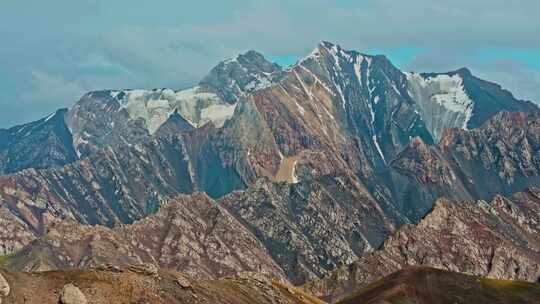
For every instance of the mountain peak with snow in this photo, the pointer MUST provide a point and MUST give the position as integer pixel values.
(232, 79)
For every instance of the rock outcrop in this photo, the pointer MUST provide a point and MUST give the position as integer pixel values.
(501, 157)
(314, 226)
(4, 287)
(44, 143)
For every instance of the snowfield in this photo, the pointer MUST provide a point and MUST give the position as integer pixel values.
(155, 106)
(442, 100)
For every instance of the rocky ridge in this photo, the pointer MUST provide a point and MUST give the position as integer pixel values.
(191, 234)
(423, 285)
(287, 230)
(499, 239)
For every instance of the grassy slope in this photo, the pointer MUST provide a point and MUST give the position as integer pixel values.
(426, 285)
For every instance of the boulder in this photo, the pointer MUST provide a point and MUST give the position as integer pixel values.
(4, 287)
(182, 281)
(71, 294)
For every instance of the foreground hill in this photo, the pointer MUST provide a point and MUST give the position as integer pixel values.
(432, 286)
(146, 283)
(143, 284)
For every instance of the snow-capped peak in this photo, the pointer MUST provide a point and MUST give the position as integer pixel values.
(338, 54)
(156, 106)
(233, 79)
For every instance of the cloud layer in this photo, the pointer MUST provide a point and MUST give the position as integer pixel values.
(52, 52)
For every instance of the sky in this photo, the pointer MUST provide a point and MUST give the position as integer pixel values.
(52, 52)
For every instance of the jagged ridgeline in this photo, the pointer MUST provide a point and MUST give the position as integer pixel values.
(291, 171)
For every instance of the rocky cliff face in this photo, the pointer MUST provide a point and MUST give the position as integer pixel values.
(499, 239)
(287, 230)
(40, 144)
(234, 79)
(312, 227)
(498, 158)
(114, 186)
(191, 234)
(459, 100)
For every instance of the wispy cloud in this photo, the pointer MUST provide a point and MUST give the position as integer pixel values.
(167, 43)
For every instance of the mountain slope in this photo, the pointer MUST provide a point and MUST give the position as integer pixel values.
(460, 100)
(40, 144)
(146, 284)
(114, 186)
(499, 239)
(497, 158)
(424, 285)
(294, 231)
(191, 234)
(263, 138)
(312, 227)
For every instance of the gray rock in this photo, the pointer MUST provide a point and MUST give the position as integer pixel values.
(4, 286)
(182, 281)
(146, 269)
(71, 294)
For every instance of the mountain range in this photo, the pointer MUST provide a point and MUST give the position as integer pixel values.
(330, 173)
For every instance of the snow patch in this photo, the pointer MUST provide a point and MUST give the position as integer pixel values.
(155, 106)
(340, 91)
(334, 52)
(376, 142)
(217, 114)
(259, 83)
(300, 109)
(49, 117)
(114, 93)
(358, 72)
(304, 88)
(443, 101)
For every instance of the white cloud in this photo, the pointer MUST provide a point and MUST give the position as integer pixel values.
(51, 90)
(173, 43)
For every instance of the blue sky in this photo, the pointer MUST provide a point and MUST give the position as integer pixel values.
(54, 51)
